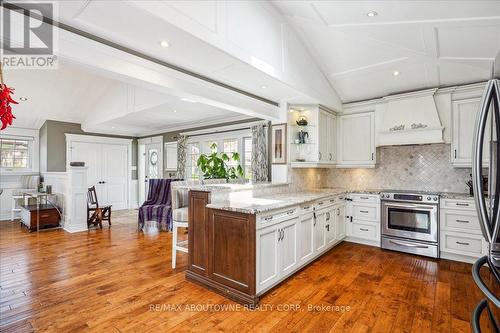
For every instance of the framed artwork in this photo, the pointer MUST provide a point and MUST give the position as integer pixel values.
(278, 144)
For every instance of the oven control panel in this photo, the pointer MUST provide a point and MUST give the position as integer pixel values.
(410, 197)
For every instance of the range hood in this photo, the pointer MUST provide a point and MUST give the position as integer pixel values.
(409, 119)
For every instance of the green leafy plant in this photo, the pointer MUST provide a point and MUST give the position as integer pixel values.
(215, 165)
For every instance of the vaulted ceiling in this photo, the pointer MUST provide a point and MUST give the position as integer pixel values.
(360, 45)
(105, 105)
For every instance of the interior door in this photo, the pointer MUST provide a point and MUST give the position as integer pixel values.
(289, 246)
(153, 160)
(114, 175)
(90, 153)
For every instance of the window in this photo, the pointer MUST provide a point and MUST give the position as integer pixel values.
(15, 153)
(229, 143)
(193, 153)
(247, 158)
(230, 146)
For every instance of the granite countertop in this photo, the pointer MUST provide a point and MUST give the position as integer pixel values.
(455, 195)
(254, 205)
(220, 187)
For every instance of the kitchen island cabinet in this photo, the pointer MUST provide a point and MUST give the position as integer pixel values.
(242, 252)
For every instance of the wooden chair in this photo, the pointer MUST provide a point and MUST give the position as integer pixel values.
(96, 214)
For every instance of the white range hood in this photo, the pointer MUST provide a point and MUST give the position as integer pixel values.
(409, 119)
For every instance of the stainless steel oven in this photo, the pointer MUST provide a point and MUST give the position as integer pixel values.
(410, 222)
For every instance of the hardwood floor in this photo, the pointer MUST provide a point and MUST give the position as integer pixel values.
(120, 280)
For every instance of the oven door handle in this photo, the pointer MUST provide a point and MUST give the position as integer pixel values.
(409, 245)
(429, 207)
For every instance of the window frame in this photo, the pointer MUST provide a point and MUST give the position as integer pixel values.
(31, 153)
(204, 141)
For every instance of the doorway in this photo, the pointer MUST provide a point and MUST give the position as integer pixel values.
(150, 163)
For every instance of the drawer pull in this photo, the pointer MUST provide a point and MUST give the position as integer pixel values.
(462, 243)
(268, 218)
(46, 215)
(320, 203)
(363, 229)
(290, 212)
(462, 204)
(364, 198)
(306, 207)
(363, 211)
(462, 221)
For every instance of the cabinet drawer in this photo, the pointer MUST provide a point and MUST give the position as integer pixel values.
(306, 208)
(364, 231)
(364, 212)
(365, 198)
(466, 221)
(462, 244)
(465, 204)
(335, 200)
(271, 218)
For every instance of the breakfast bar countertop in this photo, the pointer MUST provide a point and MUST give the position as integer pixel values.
(243, 203)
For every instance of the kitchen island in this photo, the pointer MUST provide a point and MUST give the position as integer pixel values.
(243, 243)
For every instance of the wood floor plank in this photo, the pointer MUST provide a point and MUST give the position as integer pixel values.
(120, 280)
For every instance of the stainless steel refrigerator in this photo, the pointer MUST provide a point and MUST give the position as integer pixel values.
(487, 201)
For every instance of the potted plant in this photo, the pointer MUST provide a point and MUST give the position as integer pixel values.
(215, 165)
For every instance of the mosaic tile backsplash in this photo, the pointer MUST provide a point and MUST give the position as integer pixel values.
(418, 167)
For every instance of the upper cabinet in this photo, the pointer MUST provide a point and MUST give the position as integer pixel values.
(356, 140)
(312, 135)
(463, 120)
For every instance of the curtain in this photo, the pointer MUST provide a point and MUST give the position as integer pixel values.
(259, 154)
(181, 156)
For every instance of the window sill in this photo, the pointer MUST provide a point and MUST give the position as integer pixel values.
(18, 173)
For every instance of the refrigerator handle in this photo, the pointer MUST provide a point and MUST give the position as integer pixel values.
(477, 158)
(496, 111)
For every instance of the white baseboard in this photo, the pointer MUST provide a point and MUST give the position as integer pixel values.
(362, 241)
(458, 257)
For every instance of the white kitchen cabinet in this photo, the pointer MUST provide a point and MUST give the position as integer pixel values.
(340, 222)
(306, 237)
(363, 219)
(460, 234)
(277, 252)
(268, 270)
(327, 137)
(463, 121)
(331, 226)
(288, 251)
(319, 230)
(319, 148)
(356, 140)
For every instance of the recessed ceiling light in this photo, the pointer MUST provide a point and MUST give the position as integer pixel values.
(175, 111)
(24, 99)
(395, 73)
(185, 99)
(164, 43)
(263, 86)
(112, 127)
(372, 14)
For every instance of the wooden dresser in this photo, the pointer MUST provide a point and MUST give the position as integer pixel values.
(49, 217)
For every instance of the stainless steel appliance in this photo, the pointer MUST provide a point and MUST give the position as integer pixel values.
(487, 199)
(410, 222)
